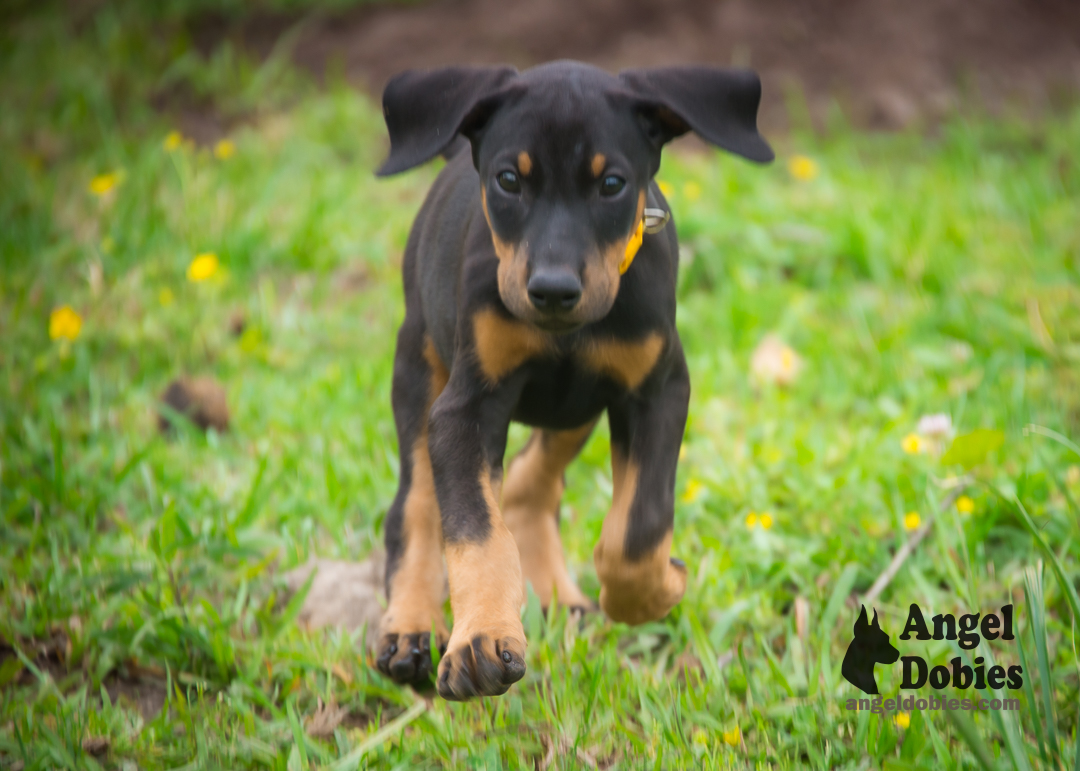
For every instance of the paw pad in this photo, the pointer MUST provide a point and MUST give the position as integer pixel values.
(481, 668)
(406, 658)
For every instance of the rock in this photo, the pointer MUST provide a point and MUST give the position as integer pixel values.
(201, 399)
(345, 594)
(891, 109)
(96, 745)
(237, 322)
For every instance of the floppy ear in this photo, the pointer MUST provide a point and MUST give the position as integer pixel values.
(719, 105)
(424, 111)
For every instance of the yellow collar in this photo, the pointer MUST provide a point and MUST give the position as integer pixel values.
(652, 221)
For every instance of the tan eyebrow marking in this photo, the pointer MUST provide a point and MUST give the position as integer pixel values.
(524, 163)
(598, 163)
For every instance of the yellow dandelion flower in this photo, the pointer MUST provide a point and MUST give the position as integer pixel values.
(224, 150)
(666, 189)
(802, 168)
(912, 520)
(694, 489)
(965, 505)
(692, 191)
(912, 444)
(172, 141)
(103, 183)
(766, 520)
(64, 323)
(903, 719)
(751, 520)
(165, 297)
(732, 737)
(203, 267)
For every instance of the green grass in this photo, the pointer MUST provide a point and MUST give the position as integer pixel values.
(912, 275)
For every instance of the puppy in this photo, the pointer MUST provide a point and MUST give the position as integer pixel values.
(540, 288)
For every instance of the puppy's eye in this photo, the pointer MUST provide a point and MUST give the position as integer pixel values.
(509, 181)
(612, 185)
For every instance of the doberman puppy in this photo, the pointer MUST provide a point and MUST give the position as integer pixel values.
(533, 294)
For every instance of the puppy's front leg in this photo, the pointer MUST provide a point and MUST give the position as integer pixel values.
(640, 581)
(486, 651)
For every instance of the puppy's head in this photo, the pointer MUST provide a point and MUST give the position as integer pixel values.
(565, 153)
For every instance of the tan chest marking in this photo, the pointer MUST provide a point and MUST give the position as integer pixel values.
(626, 362)
(503, 345)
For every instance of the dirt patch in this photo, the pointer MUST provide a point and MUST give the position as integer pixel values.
(147, 695)
(131, 685)
(886, 62)
(197, 118)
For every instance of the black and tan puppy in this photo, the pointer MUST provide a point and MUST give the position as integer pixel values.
(533, 294)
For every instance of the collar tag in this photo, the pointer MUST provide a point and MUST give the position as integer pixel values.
(655, 220)
(652, 221)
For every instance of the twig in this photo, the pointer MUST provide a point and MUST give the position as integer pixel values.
(352, 760)
(905, 551)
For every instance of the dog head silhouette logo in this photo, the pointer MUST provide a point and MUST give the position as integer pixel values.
(870, 646)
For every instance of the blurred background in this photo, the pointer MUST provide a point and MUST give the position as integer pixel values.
(883, 64)
(882, 329)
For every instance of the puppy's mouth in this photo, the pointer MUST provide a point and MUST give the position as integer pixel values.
(557, 325)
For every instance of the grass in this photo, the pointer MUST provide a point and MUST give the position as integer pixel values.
(912, 275)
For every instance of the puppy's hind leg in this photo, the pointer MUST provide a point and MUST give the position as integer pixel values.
(415, 577)
(530, 507)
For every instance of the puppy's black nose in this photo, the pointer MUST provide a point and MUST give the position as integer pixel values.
(554, 290)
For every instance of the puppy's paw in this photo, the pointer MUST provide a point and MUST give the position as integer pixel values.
(405, 657)
(647, 591)
(480, 666)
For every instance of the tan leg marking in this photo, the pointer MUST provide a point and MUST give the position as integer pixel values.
(503, 345)
(525, 163)
(530, 505)
(486, 652)
(628, 363)
(644, 589)
(598, 164)
(416, 591)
